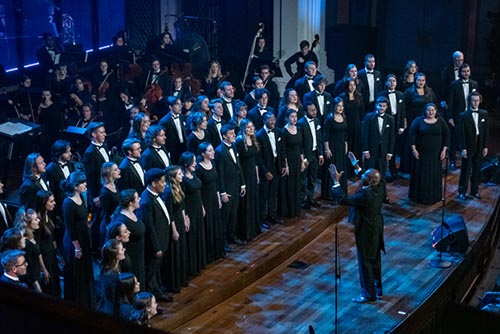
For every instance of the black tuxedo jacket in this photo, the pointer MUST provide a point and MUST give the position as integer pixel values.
(173, 144)
(28, 190)
(163, 80)
(456, 98)
(229, 174)
(44, 59)
(447, 77)
(399, 114)
(157, 235)
(366, 215)
(302, 87)
(274, 94)
(150, 158)
(55, 175)
(327, 106)
(93, 160)
(255, 116)
(378, 85)
(268, 163)
(466, 132)
(307, 138)
(374, 141)
(214, 133)
(226, 115)
(130, 178)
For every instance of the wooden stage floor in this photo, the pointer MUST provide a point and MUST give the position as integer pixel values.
(253, 290)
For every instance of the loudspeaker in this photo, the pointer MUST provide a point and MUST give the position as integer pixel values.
(453, 237)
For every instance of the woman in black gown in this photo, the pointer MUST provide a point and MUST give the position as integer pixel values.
(428, 137)
(125, 214)
(175, 270)
(112, 253)
(206, 172)
(212, 80)
(108, 196)
(416, 98)
(45, 203)
(335, 137)
(240, 113)
(354, 114)
(293, 155)
(408, 78)
(197, 254)
(290, 100)
(78, 268)
(247, 147)
(197, 122)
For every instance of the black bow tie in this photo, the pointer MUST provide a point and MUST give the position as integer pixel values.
(311, 120)
(63, 164)
(320, 94)
(155, 196)
(262, 108)
(393, 92)
(465, 82)
(381, 115)
(474, 111)
(99, 146)
(369, 72)
(175, 116)
(218, 122)
(158, 149)
(133, 161)
(269, 131)
(309, 78)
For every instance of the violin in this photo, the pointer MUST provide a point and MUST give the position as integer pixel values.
(103, 87)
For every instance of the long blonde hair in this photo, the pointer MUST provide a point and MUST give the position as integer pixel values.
(177, 192)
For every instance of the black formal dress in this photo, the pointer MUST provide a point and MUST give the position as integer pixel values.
(175, 269)
(292, 149)
(193, 141)
(335, 133)
(426, 175)
(366, 206)
(32, 253)
(414, 107)
(78, 273)
(135, 246)
(49, 251)
(248, 226)
(109, 202)
(54, 175)
(197, 254)
(354, 114)
(214, 229)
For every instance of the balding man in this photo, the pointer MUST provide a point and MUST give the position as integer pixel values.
(366, 215)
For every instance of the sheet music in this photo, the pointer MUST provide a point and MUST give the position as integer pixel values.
(12, 129)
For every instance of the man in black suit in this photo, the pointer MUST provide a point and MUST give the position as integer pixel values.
(395, 108)
(132, 173)
(299, 58)
(155, 78)
(304, 85)
(270, 170)
(227, 100)
(5, 217)
(366, 215)
(231, 183)
(257, 113)
(215, 122)
(156, 154)
(174, 124)
(312, 143)
(377, 141)
(14, 267)
(57, 170)
(320, 98)
(154, 213)
(372, 82)
(457, 103)
(94, 156)
(49, 54)
(472, 137)
(33, 179)
(449, 74)
(271, 86)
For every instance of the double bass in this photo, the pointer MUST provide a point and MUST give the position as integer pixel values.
(250, 56)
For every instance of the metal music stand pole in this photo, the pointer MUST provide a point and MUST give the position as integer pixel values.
(337, 274)
(439, 263)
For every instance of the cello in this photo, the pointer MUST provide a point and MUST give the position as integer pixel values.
(250, 56)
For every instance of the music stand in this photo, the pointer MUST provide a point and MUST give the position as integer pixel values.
(439, 263)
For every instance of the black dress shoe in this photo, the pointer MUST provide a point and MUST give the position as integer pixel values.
(363, 300)
(452, 166)
(386, 200)
(265, 225)
(477, 195)
(315, 203)
(463, 197)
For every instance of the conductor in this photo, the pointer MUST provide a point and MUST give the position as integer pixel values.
(365, 214)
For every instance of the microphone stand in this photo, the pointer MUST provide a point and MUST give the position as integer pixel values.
(337, 275)
(439, 263)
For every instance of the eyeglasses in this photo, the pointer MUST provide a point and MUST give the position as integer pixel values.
(22, 264)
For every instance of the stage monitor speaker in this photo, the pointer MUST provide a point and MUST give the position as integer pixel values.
(453, 237)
